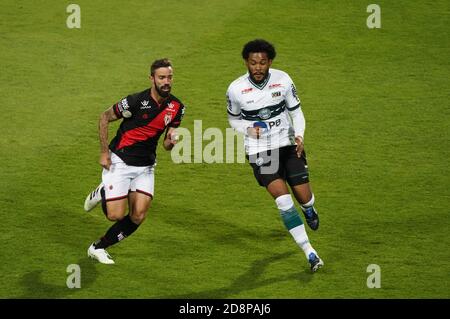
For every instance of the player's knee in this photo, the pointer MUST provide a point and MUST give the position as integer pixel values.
(115, 215)
(138, 216)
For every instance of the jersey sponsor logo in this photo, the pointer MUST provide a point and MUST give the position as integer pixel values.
(145, 105)
(274, 123)
(245, 91)
(250, 102)
(275, 85)
(276, 94)
(264, 113)
(171, 106)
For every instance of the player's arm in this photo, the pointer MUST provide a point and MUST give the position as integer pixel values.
(235, 118)
(293, 105)
(298, 121)
(107, 116)
(170, 139)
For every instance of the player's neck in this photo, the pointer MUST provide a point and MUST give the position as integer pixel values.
(260, 81)
(155, 96)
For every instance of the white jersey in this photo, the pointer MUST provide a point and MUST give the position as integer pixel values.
(267, 105)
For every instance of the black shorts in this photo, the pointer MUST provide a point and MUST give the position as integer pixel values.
(280, 163)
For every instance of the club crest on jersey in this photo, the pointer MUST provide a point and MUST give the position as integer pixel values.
(170, 106)
(167, 118)
(264, 113)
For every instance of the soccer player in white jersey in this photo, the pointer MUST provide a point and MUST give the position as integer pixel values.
(264, 106)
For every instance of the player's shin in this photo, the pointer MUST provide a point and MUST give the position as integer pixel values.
(117, 232)
(309, 204)
(294, 223)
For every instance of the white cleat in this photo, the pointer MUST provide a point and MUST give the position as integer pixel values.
(93, 198)
(100, 254)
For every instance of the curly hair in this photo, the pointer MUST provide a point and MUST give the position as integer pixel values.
(259, 45)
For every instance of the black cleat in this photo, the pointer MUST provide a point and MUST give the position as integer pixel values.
(312, 219)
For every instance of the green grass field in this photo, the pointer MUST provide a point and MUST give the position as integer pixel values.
(376, 102)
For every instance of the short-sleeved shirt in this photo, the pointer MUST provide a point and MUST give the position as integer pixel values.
(144, 120)
(266, 105)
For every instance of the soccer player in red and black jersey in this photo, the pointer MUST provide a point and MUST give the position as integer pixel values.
(129, 160)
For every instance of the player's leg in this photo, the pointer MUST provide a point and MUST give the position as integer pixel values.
(139, 198)
(292, 221)
(115, 212)
(141, 195)
(306, 199)
(114, 199)
(297, 176)
(140, 206)
(277, 188)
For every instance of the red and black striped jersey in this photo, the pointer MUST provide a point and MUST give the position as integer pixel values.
(144, 120)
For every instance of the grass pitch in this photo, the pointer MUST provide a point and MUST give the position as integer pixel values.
(377, 137)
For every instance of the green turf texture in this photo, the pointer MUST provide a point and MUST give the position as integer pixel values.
(376, 102)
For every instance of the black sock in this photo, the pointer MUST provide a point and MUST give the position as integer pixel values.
(120, 230)
(102, 193)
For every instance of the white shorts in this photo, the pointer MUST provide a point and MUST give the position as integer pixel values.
(121, 178)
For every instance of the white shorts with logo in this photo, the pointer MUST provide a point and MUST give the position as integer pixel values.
(121, 179)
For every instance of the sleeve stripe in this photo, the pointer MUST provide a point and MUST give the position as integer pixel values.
(293, 108)
(233, 114)
(116, 110)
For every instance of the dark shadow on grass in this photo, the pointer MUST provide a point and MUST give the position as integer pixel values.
(227, 233)
(36, 288)
(249, 280)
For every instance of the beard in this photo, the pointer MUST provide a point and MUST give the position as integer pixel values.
(258, 81)
(161, 92)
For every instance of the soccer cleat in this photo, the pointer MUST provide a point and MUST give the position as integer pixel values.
(100, 254)
(93, 198)
(312, 219)
(315, 262)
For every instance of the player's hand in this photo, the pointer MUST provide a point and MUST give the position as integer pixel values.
(105, 160)
(254, 132)
(299, 147)
(171, 139)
